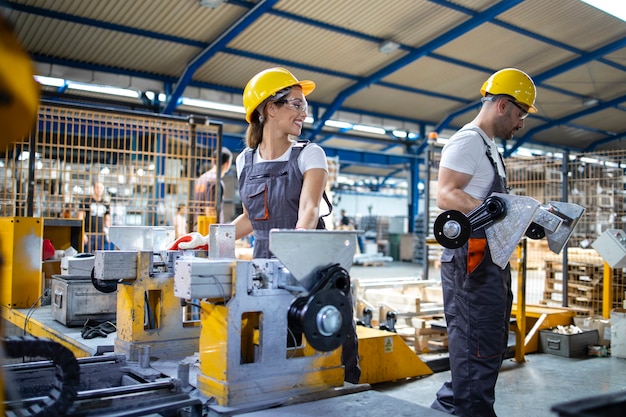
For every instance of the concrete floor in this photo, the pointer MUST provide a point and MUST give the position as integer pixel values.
(528, 389)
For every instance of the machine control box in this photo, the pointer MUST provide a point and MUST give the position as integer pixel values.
(611, 245)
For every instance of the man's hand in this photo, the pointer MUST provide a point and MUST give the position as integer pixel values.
(193, 240)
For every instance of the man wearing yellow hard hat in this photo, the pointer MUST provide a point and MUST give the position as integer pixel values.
(477, 293)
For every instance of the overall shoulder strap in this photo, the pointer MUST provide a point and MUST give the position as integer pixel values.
(301, 143)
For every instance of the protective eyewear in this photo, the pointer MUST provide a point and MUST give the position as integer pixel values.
(295, 104)
(524, 112)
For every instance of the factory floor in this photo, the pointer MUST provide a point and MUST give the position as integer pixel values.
(526, 389)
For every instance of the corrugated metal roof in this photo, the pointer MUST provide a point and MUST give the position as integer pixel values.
(446, 49)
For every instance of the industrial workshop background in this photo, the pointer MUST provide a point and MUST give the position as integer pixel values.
(149, 163)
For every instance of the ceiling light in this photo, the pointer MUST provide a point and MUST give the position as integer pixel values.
(338, 124)
(388, 47)
(123, 92)
(50, 81)
(370, 129)
(212, 105)
(590, 102)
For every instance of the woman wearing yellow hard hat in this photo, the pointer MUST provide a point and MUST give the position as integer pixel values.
(281, 179)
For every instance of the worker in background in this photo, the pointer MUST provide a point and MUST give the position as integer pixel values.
(345, 221)
(281, 180)
(96, 213)
(205, 192)
(477, 293)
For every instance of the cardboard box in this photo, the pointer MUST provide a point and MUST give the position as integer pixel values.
(568, 345)
(618, 332)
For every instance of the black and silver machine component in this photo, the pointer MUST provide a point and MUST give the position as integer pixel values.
(506, 219)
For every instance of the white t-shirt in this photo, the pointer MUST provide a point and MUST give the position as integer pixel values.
(466, 152)
(312, 156)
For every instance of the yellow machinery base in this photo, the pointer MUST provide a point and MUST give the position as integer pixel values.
(384, 356)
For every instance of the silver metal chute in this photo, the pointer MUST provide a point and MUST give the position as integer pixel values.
(305, 252)
(141, 238)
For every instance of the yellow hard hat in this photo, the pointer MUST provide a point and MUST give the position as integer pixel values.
(267, 83)
(514, 83)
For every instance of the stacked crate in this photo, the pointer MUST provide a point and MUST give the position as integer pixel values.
(585, 287)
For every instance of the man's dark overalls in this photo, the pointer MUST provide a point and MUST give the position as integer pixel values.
(477, 304)
(270, 191)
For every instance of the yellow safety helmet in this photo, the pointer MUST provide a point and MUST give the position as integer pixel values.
(514, 83)
(267, 83)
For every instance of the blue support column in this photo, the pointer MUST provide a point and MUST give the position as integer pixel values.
(159, 164)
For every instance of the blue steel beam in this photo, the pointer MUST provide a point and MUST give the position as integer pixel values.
(541, 78)
(611, 138)
(190, 42)
(525, 32)
(198, 44)
(411, 57)
(216, 46)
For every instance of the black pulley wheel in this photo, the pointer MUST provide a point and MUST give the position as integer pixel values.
(452, 229)
(324, 318)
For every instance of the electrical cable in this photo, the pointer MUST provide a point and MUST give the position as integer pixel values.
(67, 374)
(33, 307)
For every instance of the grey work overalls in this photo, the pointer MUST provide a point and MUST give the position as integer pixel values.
(477, 304)
(270, 191)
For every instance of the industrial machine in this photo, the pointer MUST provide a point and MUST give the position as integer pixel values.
(271, 331)
(270, 327)
(142, 272)
(58, 384)
(506, 218)
(611, 245)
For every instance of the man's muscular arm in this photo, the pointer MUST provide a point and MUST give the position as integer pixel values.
(450, 194)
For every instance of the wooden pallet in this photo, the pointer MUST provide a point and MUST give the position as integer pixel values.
(584, 286)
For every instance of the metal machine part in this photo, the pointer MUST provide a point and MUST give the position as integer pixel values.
(324, 314)
(506, 218)
(148, 312)
(611, 245)
(268, 334)
(62, 390)
(305, 251)
(94, 386)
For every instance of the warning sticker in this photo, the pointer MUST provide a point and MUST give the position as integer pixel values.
(388, 344)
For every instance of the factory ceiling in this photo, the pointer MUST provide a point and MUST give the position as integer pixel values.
(409, 67)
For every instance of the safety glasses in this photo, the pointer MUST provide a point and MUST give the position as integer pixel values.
(295, 104)
(524, 112)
